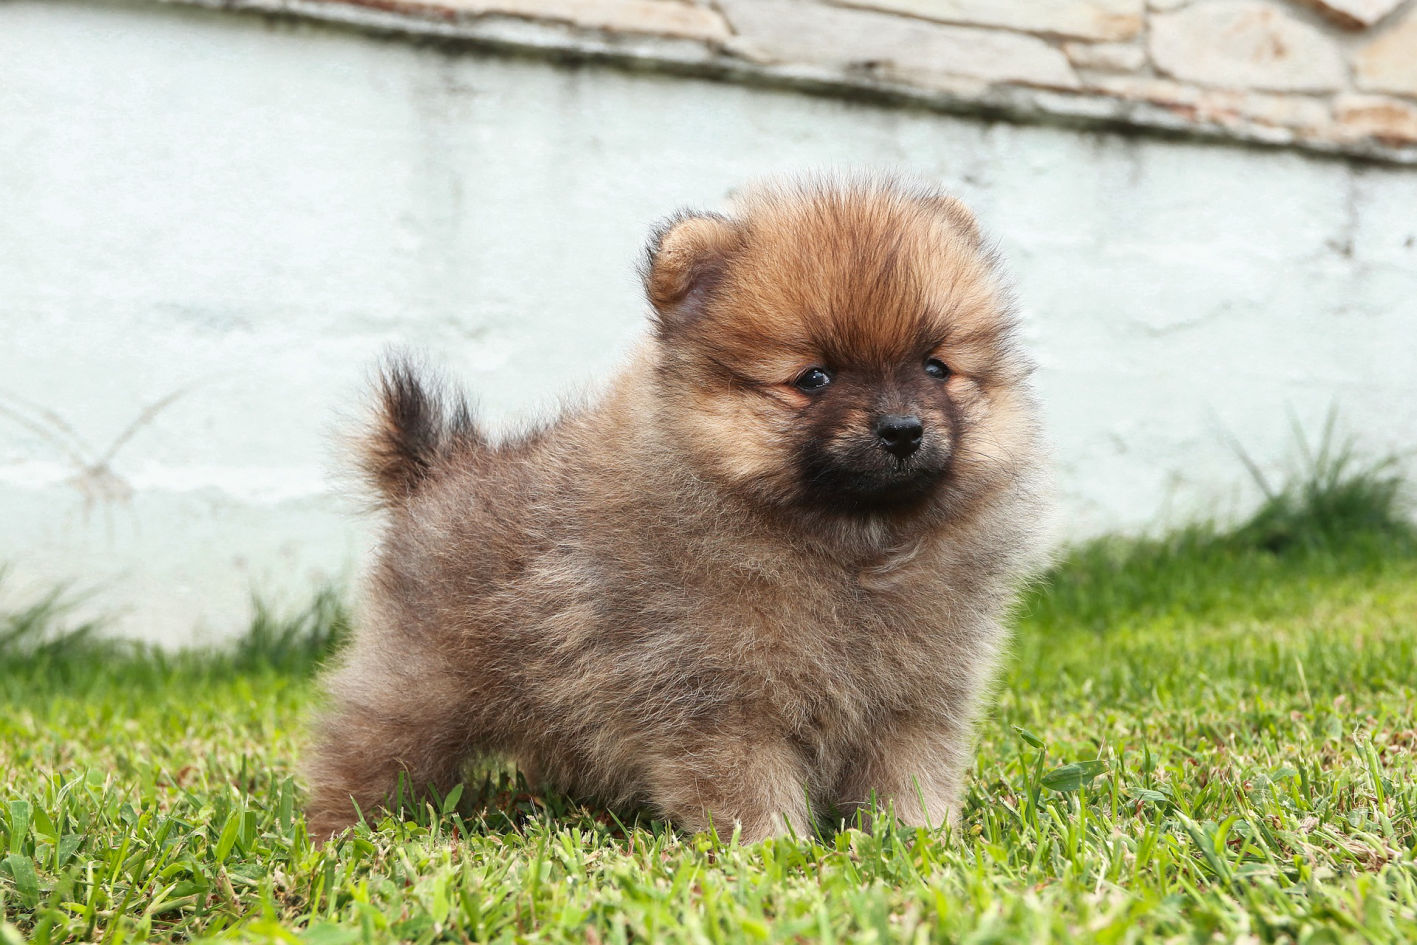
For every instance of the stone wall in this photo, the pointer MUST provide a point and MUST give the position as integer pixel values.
(1328, 75)
(211, 225)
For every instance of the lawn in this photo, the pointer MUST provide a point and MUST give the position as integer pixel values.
(1204, 737)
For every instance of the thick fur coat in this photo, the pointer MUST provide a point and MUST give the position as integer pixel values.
(760, 578)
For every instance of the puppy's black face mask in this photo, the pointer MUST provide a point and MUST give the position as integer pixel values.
(875, 439)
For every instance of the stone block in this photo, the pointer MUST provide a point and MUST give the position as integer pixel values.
(1084, 19)
(1299, 112)
(1106, 57)
(1388, 120)
(1389, 63)
(1177, 96)
(1355, 14)
(652, 17)
(1247, 111)
(1247, 44)
(795, 32)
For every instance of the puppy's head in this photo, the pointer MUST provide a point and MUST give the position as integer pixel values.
(839, 347)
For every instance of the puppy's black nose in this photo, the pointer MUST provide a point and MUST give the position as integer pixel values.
(900, 435)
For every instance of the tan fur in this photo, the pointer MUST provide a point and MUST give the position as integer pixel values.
(655, 600)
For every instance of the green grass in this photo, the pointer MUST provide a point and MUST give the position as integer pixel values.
(1207, 736)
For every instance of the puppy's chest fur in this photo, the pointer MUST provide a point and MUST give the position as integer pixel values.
(799, 644)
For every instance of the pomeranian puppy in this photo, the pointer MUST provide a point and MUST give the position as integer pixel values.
(760, 578)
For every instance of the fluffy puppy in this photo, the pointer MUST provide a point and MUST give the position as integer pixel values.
(761, 576)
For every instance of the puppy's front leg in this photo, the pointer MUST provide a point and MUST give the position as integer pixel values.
(759, 786)
(916, 769)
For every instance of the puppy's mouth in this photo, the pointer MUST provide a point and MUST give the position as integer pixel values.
(864, 482)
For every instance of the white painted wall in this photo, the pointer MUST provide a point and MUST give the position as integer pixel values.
(243, 213)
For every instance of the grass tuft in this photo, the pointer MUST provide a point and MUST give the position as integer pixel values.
(42, 648)
(1337, 512)
(292, 644)
(1335, 497)
(42, 630)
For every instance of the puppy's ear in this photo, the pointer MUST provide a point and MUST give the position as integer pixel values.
(960, 217)
(685, 260)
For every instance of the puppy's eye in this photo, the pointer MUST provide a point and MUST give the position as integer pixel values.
(812, 380)
(937, 368)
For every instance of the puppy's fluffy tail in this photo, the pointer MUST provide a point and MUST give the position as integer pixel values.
(418, 426)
